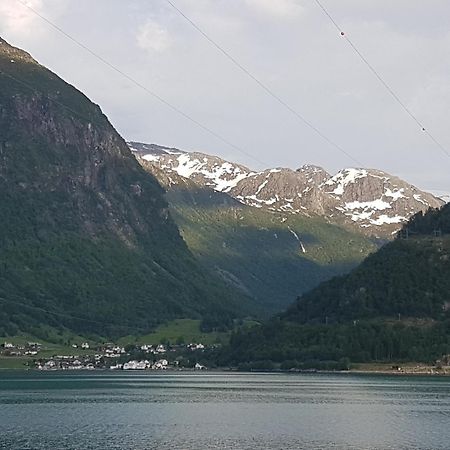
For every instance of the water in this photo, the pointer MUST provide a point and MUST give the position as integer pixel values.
(123, 410)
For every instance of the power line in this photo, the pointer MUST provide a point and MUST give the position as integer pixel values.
(31, 88)
(141, 86)
(381, 79)
(263, 85)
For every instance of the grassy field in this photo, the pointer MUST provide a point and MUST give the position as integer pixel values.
(187, 330)
(12, 362)
(176, 331)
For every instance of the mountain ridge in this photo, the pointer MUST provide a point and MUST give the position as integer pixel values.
(87, 243)
(272, 256)
(367, 200)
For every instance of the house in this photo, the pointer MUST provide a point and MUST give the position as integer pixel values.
(85, 345)
(49, 365)
(76, 365)
(34, 345)
(162, 364)
(116, 367)
(199, 367)
(196, 347)
(130, 365)
(136, 365)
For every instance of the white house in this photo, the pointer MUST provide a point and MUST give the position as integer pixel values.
(199, 367)
(160, 365)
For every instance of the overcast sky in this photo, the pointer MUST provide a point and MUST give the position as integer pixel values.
(291, 46)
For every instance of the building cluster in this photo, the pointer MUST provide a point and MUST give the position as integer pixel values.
(115, 357)
(28, 349)
(161, 364)
(84, 346)
(153, 349)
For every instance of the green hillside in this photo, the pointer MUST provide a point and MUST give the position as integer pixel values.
(407, 277)
(270, 256)
(87, 242)
(394, 307)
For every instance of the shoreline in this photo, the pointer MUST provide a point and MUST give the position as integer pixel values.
(428, 372)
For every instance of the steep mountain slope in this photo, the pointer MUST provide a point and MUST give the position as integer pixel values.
(87, 241)
(395, 305)
(369, 201)
(269, 255)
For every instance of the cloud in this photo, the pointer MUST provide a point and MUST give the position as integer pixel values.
(276, 8)
(153, 37)
(19, 22)
(291, 46)
(16, 18)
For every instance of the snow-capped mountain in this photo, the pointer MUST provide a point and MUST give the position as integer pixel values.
(371, 200)
(443, 195)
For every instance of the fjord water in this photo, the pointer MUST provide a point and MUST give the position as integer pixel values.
(222, 410)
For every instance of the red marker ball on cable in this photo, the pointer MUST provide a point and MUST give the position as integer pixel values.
(342, 33)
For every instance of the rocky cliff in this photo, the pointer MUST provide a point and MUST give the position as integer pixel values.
(370, 201)
(87, 242)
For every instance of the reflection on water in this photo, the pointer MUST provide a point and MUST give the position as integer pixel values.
(223, 411)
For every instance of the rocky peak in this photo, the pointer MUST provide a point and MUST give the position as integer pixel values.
(368, 200)
(316, 173)
(15, 54)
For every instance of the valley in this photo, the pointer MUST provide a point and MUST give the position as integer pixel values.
(110, 241)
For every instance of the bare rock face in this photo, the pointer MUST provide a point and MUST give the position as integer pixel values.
(368, 200)
(375, 200)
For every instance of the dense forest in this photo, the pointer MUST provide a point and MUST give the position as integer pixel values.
(394, 307)
(433, 222)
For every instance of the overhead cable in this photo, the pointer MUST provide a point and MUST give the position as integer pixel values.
(263, 86)
(141, 86)
(381, 79)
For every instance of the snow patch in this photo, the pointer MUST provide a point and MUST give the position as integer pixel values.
(384, 219)
(223, 176)
(254, 198)
(262, 186)
(418, 198)
(172, 152)
(378, 204)
(187, 167)
(395, 194)
(150, 157)
(344, 178)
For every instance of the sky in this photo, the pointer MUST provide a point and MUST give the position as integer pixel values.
(291, 46)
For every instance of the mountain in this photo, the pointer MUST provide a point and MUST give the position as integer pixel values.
(87, 242)
(444, 196)
(270, 256)
(394, 306)
(365, 200)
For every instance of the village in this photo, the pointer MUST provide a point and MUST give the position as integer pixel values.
(109, 356)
